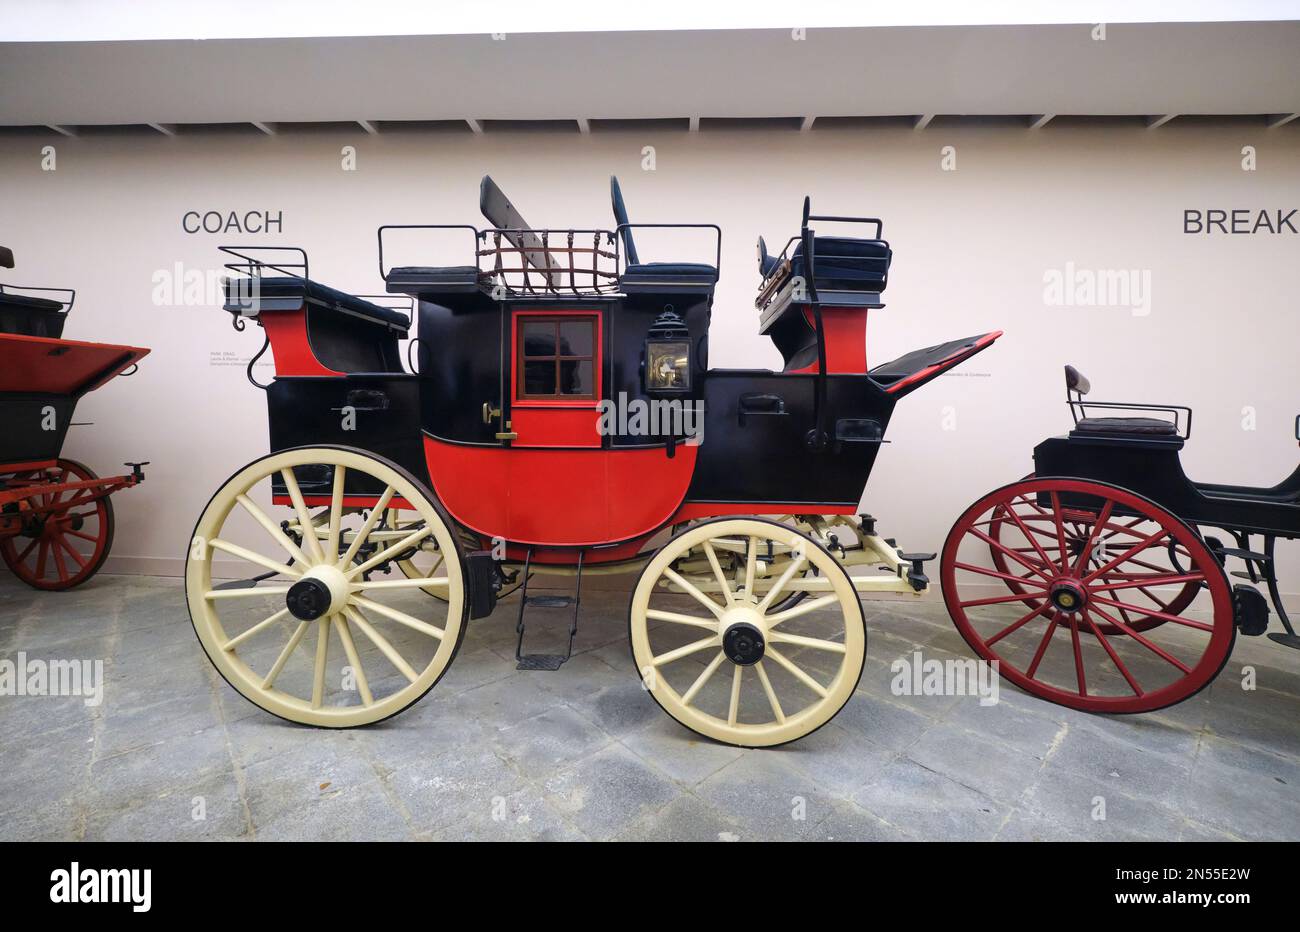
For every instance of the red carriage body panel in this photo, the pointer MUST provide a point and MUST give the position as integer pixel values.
(60, 367)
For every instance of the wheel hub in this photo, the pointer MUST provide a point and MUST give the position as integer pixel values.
(321, 591)
(744, 642)
(1068, 595)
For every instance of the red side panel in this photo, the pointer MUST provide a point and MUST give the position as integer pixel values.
(846, 339)
(555, 426)
(60, 367)
(289, 343)
(559, 497)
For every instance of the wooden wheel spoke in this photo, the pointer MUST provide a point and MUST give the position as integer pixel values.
(686, 650)
(1091, 540)
(798, 640)
(1114, 657)
(305, 522)
(366, 527)
(67, 547)
(322, 657)
(402, 618)
(680, 619)
(381, 642)
(1022, 580)
(1003, 548)
(354, 659)
(782, 581)
(390, 551)
(294, 640)
(690, 589)
(689, 696)
(1011, 512)
(723, 583)
(256, 629)
(420, 582)
(796, 671)
(751, 565)
(1140, 582)
(1042, 646)
(1078, 656)
(771, 693)
(1141, 545)
(295, 553)
(251, 556)
(1163, 616)
(252, 593)
(733, 707)
(996, 599)
(1018, 624)
(1145, 642)
(336, 513)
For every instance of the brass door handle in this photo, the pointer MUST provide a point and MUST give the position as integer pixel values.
(490, 412)
(507, 434)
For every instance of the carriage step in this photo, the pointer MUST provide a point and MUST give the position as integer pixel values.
(550, 601)
(547, 662)
(1249, 555)
(1286, 640)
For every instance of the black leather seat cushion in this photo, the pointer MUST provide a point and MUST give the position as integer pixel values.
(678, 271)
(288, 287)
(1146, 426)
(431, 273)
(845, 264)
(28, 302)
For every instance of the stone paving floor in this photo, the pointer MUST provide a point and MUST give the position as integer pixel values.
(172, 752)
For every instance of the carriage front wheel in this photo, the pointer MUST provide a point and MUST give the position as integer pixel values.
(302, 537)
(66, 535)
(1098, 617)
(720, 648)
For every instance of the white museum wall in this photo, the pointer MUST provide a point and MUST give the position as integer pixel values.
(972, 247)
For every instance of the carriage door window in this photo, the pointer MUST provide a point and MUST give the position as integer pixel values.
(556, 378)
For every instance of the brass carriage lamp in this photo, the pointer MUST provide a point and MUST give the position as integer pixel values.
(667, 360)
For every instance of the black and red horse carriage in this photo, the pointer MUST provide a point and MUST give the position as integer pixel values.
(56, 520)
(1093, 583)
(559, 417)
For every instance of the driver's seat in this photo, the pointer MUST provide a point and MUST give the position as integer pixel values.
(1146, 428)
(655, 277)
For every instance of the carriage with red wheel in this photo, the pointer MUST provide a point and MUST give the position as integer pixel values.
(557, 417)
(56, 519)
(1099, 581)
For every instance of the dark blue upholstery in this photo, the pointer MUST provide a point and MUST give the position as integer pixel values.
(844, 264)
(291, 287)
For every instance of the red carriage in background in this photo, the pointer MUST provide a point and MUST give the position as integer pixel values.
(56, 520)
(559, 417)
(1093, 582)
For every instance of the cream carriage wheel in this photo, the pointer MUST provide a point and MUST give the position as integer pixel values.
(278, 642)
(716, 651)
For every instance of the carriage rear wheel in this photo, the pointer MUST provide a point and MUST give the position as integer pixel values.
(1079, 627)
(719, 654)
(272, 640)
(67, 542)
(1015, 575)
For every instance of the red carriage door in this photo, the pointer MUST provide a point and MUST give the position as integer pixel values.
(555, 378)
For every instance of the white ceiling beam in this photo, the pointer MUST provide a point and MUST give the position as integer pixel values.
(1273, 121)
(62, 130)
(694, 125)
(268, 128)
(922, 121)
(1039, 120)
(369, 127)
(474, 126)
(807, 123)
(584, 126)
(1155, 122)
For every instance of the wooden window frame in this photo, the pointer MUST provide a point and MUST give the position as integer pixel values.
(556, 318)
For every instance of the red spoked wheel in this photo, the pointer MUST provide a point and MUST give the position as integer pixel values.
(1015, 574)
(66, 536)
(1075, 629)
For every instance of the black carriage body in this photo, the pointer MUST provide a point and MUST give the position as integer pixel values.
(35, 425)
(1152, 468)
